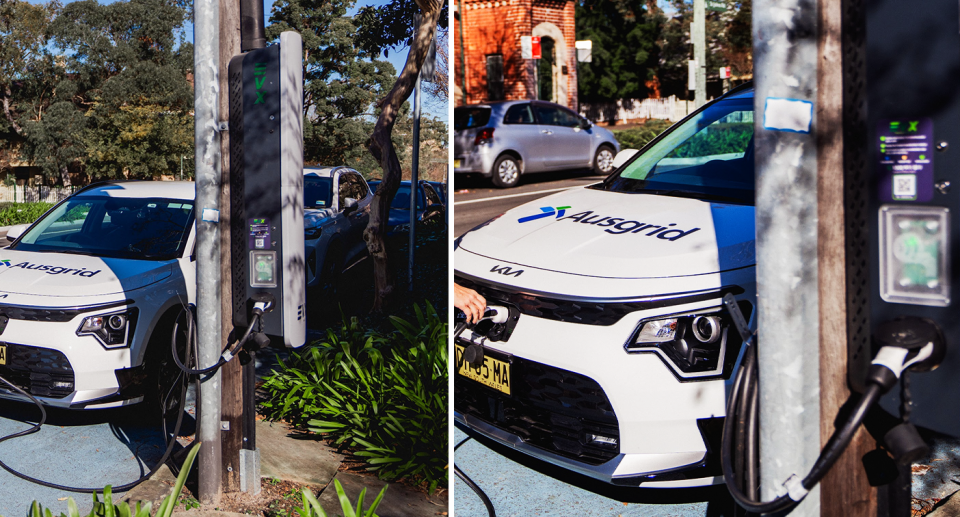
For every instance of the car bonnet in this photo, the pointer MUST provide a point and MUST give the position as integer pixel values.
(65, 275)
(602, 234)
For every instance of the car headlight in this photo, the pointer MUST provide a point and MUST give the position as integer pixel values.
(695, 344)
(112, 330)
(312, 233)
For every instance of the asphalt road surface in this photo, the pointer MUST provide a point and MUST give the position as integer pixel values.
(475, 200)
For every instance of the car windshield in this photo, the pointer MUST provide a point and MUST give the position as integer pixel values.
(401, 201)
(467, 118)
(110, 227)
(709, 157)
(317, 192)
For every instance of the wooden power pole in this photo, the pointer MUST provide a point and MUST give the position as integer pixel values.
(231, 410)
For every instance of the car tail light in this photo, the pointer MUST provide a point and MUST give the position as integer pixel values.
(483, 136)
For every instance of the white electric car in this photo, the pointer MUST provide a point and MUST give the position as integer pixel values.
(89, 294)
(615, 355)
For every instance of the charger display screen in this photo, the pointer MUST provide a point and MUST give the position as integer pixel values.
(914, 255)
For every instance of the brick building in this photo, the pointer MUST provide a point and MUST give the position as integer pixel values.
(489, 50)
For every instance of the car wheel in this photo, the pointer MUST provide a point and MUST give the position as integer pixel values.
(603, 161)
(506, 171)
(162, 395)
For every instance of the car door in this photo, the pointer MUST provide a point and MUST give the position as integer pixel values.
(567, 145)
(519, 127)
(352, 185)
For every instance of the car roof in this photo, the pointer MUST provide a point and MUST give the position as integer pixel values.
(142, 189)
(325, 171)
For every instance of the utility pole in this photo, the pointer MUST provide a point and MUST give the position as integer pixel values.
(699, 31)
(785, 45)
(231, 401)
(207, 204)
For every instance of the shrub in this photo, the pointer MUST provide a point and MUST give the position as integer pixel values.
(637, 137)
(311, 507)
(21, 213)
(382, 395)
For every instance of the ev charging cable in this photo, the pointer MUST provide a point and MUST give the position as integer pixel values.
(921, 350)
(260, 307)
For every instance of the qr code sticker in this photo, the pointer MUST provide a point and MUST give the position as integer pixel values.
(259, 244)
(904, 186)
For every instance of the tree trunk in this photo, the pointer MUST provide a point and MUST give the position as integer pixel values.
(381, 147)
(65, 176)
(7, 95)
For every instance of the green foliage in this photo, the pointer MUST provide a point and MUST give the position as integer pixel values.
(21, 213)
(722, 139)
(103, 88)
(311, 506)
(390, 25)
(383, 395)
(106, 508)
(625, 52)
(637, 137)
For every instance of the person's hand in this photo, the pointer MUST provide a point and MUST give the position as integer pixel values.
(470, 302)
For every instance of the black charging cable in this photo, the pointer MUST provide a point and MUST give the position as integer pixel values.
(171, 441)
(921, 348)
(470, 483)
(259, 309)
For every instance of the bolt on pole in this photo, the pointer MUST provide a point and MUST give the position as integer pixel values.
(207, 205)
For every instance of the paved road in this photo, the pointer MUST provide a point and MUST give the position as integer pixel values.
(476, 201)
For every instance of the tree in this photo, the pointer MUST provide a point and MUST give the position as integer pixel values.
(382, 28)
(625, 52)
(341, 81)
(729, 43)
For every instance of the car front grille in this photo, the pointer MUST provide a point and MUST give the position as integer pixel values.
(41, 372)
(551, 408)
(584, 311)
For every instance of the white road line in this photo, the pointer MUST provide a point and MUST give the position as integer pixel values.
(457, 203)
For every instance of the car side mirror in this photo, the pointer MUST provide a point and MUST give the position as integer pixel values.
(585, 124)
(16, 231)
(623, 157)
(349, 205)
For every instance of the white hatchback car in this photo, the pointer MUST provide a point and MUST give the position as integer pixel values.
(615, 356)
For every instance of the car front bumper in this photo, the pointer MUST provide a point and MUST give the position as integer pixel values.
(48, 360)
(573, 380)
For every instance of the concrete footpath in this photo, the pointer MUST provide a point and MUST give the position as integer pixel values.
(290, 456)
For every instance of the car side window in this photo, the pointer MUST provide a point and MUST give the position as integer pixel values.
(432, 197)
(362, 188)
(548, 115)
(519, 114)
(568, 119)
(351, 185)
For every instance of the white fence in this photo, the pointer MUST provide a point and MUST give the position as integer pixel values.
(670, 108)
(24, 194)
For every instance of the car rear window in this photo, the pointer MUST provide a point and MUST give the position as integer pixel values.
(467, 118)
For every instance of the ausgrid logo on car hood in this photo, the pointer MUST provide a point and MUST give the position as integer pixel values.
(618, 235)
(52, 274)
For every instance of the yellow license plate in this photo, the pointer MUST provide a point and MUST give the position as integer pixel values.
(456, 164)
(3, 354)
(493, 373)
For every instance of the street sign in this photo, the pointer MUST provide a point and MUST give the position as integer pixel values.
(526, 49)
(535, 46)
(724, 72)
(719, 6)
(584, 51)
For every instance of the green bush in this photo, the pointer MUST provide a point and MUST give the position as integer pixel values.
(382, 395)
(21, 213)
(637, 137)
(311, 507)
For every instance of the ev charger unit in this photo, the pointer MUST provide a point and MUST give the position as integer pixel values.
(913, 162)
(266, 185)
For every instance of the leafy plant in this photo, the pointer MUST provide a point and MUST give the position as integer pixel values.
(636, 138)
(311, 507)
(383, 395)
(106, 508)
(21, 213)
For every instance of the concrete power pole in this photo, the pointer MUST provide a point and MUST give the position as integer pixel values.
(785, 73)
(207, 205)
(699, 30)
